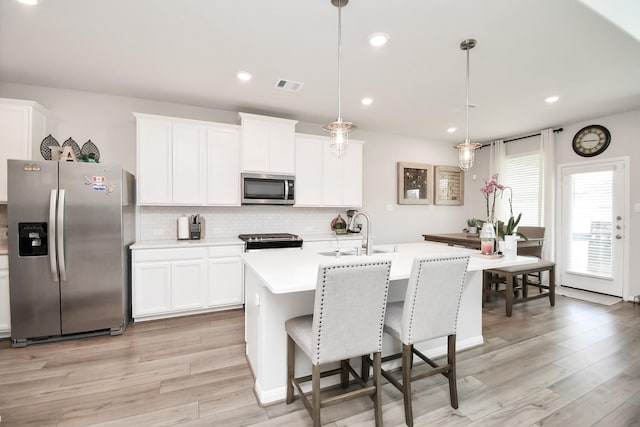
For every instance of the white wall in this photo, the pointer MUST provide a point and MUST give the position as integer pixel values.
(108, 122)
(405, 223)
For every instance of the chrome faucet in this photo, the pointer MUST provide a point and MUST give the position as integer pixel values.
(369, 246)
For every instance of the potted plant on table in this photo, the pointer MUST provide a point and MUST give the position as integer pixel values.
(507, 232)
(472, 225)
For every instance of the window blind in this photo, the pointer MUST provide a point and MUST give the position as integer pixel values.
(524, 176)
(590, 222)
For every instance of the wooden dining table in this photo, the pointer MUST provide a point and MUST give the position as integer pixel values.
(532, 246)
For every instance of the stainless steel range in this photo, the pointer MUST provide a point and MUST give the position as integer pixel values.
(270, 241)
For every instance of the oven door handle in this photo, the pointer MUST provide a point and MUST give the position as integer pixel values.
(286, 189)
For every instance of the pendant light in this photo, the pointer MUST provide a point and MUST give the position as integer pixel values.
(339, 130)
(467, 150)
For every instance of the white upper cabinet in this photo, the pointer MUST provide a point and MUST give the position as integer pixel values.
(268, 144)
(308, 188)
(223, 165)
(322, 179)
(22, 127)
(154, 162)
(187, 162)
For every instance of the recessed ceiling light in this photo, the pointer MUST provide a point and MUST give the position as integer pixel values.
(452, 130)
(244, 75)
(366, 101)
(378, 39)
(551, 99)
(29, 2)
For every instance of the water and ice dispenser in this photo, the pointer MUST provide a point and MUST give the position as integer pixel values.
(33, 239)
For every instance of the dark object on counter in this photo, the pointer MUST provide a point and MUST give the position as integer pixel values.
(270, 241)
(339, 225)
(195, 227)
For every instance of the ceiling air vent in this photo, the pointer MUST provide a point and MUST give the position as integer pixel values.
(288, 85)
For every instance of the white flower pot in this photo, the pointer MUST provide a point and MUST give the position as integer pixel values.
(510, 248)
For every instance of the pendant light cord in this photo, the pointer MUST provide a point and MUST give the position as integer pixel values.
(339, 60)
(467, 105)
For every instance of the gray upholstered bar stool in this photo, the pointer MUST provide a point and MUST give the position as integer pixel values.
(429, 311)
(347, 321)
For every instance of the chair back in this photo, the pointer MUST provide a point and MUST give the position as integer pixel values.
(348, 315)
(433, 298)
(531, 233)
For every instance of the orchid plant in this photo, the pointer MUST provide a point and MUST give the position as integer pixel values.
(490, 191)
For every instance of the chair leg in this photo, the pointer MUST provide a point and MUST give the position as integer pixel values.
(315, 395)
(344, 374)
(407, 356)
(509, 294)
(451, 360)
(552, 285)
(291, 367)
(377, 380)
(364, 374)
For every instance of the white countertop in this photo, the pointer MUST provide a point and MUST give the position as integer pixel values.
(174, 243)
(296, 271)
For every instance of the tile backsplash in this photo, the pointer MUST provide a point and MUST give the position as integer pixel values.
(160, 223)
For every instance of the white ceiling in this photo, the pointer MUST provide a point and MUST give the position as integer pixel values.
(188, 51)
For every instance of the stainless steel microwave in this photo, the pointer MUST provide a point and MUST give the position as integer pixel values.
(266, 189)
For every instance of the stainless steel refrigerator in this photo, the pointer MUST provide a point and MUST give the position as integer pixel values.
(70, 228)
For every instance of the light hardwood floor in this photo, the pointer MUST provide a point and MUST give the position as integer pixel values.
(577, 364)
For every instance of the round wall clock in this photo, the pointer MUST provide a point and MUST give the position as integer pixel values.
(591, 140)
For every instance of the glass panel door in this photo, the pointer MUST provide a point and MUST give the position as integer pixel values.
(593, 227)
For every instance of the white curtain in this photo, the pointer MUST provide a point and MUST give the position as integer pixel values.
(497, 165)
(547, 150)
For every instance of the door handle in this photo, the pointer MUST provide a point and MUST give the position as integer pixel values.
(52, 235)
(60, 238)
(618, 236)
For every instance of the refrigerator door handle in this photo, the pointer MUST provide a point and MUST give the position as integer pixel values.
(60, 237)
(52, 235)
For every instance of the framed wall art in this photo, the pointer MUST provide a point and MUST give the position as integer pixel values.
(449, 185)
(415, 183)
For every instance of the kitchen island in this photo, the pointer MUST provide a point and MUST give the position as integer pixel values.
(280, 285)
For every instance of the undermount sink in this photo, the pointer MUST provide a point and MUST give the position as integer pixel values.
(349, 252)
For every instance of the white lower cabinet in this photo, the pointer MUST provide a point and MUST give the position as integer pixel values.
(171, 282)
(151, 288)
(223, 272)
(188, 284)
(5, 310)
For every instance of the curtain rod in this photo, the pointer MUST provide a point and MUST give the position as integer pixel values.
(522, 137)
